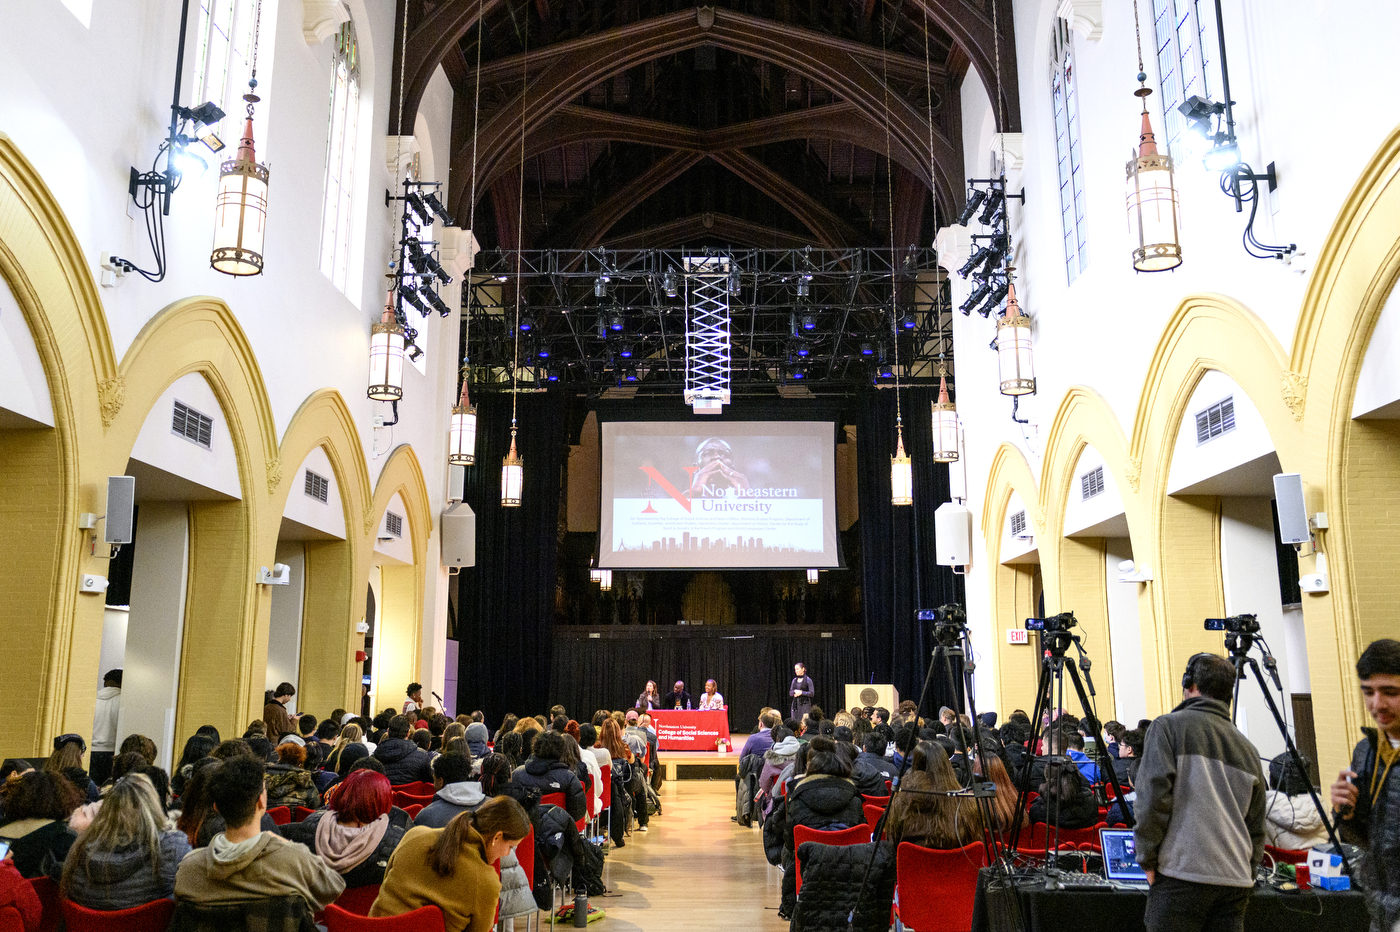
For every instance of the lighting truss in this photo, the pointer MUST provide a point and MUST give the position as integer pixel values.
(604, 320)
(707, 350)
(416, 273)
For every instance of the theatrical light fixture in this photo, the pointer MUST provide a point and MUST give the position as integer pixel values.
(616, 323)
(551, 374)
(945, 423)
(527, 324)
(1014, 361)
(734, 281)
(994, 298)
(600, 286)
(435, 205)
(812, 577)
(668, 283)
(1154, 213)
(884, 371)
(804, 287)
(461, 435)
(629, 374)
(975, 260)
(901, 472)
(1224, 158)
(414, 299)
(206, 118)
(908, 320)
(996, 201)
(602, 327)
(543, 351)
(624, 350)
(978, 295)
(512, 476)
(797, 372)
(386, 351)
(801, 349)
(425, 216)
(975, 197)
(808, 322)
(867, 349)
(425, 263)
(240, 208)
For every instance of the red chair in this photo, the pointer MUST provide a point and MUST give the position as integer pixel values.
(420, 788)
(1081, 836)
(10, 920)
(889, 787)
(300, 813)
(358, 900)
(525, 854)
(143, 918)
(280, 814)
(855, 835)
(935, 889)
(1287, 855)
(47, 891)
(423, 919)
(404, 800)
(880, 802)
(554, 799)
(1108, 791)
(872, 814)
(413, 810)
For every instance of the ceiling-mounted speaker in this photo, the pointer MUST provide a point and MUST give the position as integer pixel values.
(952, 535)
(121, 506)
(458, 536)
(1292, 511)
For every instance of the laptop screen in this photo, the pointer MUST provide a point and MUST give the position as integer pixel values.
(1120, 855)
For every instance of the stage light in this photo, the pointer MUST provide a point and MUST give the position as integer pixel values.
(187, 162)
(425, 216)
(436, 207)
(625, 350)
(668, 283)
(629, 374)
(797, 372)
(803, 288)
(551, 374)
(802, 349)
(527, 324)
(431, 296)
(908, 320)
(616, 323)
(425, 263)
(974, 299)
(994, 299)
(809, 322)
(1222, 158)
(975, 197)
(734, 282)
(995, 201)
(412, 298)
(543, 351)
(975, 260)
(867, 349)
(600, 286)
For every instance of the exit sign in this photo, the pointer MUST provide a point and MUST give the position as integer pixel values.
(1018, 636)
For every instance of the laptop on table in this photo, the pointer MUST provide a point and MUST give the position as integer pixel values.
(1120, 864)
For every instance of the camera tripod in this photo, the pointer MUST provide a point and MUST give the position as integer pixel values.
(1238, 644)
(1056, 639)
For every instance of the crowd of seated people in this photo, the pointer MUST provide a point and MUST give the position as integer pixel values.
(205, 834)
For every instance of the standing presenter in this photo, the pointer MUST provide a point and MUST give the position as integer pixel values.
(801, 690)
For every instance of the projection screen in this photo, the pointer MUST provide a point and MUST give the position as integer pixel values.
(730, 495)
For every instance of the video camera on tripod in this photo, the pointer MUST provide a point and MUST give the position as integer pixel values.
(1235, 624)
(1054, 631)
(949, 623)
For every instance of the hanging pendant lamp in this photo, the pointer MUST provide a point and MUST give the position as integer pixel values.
(386, 346)
(1154, 210)
(1014, 361)
(605, 580)
(813, 577)
(512, 475)
(901, 472)
(945, 424)
(461, 435)
(240, 210)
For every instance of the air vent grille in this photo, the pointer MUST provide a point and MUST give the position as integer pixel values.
(193, 426)
(1018, 524)
(1091, 483)
(393, 523)
(318, 487)
(1218, 419)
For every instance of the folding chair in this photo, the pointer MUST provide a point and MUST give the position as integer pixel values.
(935, 889)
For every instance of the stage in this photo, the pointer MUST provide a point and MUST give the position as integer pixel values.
(703, 765)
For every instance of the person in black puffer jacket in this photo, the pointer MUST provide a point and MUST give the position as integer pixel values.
(404, 762)
(1066, 799)
(824, 799)
(546, 771)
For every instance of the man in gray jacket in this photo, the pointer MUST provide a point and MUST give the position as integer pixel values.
(1200, 808)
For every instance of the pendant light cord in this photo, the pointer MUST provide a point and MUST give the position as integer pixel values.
(520, 224)
(398, 140)
(933, 185)
(471, 209)
(889, 191)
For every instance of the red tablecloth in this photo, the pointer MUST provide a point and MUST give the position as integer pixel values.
(678, 730)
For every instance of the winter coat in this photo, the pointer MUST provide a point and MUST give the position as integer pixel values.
(880, 764)
(774, 762)
(1292, 822)
(1125, 769)
(368, 872)
(124, 877)
(516, 896)
(104, 719)
(869, 780)
(477, 739)
(404, 762)
(1375, 825)
(1200, 797)
(551, 776)
(831, 880)
(1078, 811)
(277, 720)
(35, 844)
(468, 900)
(271, 867)
(213, 824)
(343, 761)
(819, 802)
(448, 803)
(291, 786)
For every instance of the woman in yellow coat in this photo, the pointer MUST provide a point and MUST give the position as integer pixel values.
(464, 851)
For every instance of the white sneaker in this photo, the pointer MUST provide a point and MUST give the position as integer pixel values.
(642, 829)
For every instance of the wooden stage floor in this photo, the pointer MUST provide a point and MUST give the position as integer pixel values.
(703, 765)
(693, 871)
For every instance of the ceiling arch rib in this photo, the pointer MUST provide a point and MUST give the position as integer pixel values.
(718, 227)
(594, 225)
(595, 58)
(429, 42)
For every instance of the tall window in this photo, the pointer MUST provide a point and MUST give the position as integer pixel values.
(1183, 34)
(1069, 153)
(223, 47)
(340, 157)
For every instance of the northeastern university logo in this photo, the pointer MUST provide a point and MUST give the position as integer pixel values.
(715, 483)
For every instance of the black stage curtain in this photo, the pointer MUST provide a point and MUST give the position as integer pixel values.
(899, 572)
(506, 602)
(751, 672)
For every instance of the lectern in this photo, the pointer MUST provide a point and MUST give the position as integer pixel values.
(878, 695)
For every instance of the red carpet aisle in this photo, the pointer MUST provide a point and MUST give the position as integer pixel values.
(695, 871)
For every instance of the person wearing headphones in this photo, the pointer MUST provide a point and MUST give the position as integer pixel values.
(1200, 807)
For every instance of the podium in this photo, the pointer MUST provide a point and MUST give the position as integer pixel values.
(878, 695)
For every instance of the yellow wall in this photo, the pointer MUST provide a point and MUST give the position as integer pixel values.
(48, 674)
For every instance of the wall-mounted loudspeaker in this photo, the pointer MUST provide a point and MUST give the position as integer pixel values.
(121, 503)
(456, 482)
(458, 536)
(1292, 512)
(952, 535)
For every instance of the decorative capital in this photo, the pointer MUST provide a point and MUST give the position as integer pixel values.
(1038, 516)
(953, 245)
(274, 474)
(369, 520)
(1132, 471)
(1295, 393)
(1084, 16)
(398, 155)
(1014, 147)
(458, 250)
(705, 16)
(321, 18)
(111, 395)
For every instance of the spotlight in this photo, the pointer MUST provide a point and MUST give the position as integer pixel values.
(187, 162)
(994, 299)
(425, 217)
(1222, 158)
(908, 321)
(996, 202)
(616, 323)
(600, 286)
(974, 260)
(425, 263)
(797, 372)
(884, 371)
(809, 322)
(803, 288)
(975, 298)
(551, 374)
(602, 327)
(436, 207)
(734, 281)
(1200, 112)
(543, 352)
(802, 349)
(975, 197)
(206, 117)
(414, 352)
(527, 324)
(668, 283)
(629, 374)
(412, 298)
(625, 350)
(867, 349)
(432, 298)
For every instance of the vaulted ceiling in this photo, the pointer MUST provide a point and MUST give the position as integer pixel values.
(761, 123)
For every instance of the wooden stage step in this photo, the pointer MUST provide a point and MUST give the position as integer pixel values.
(703, 765)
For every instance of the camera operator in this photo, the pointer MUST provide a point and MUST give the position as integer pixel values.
(1200, 807)
(1367, 797)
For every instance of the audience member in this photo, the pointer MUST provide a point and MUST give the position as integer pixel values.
(129, 853)
(455, 791)
(404, 762)
(1066, 800)
(199, 819)
(507, 726)
(989, 766)
(243, 862)
(777, 759)
(1074, 750)
(1125, 765)
(358, 831)
(873, 756)
(546, 772)
(139, 744)
(824, 798)
(464, 852)
(276, 721)
(104, 726)
(477, 738)
(37, 806)
(289, 783)
(1291, 820)
(761, 740)
(511, 746)
(349, 748)
(919, 815)
(67, 759)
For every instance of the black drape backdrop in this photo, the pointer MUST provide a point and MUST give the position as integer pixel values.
(505, 615)
(899, 572)
(751, 670)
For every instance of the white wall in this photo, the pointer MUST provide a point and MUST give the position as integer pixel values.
(24, 389)
(311, 514)
(113, 656)
(1239, 461)
(155, 628)
(1100, 515)
(1125, 633)
(1378, 385)
(158, 445)
(284, 629)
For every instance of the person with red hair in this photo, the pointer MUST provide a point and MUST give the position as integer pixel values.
(356, 835)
